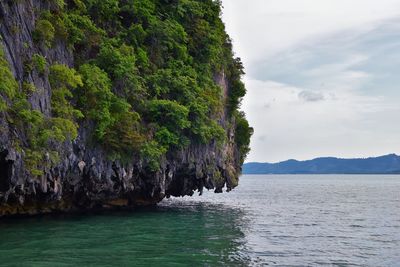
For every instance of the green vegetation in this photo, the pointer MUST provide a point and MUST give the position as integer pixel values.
(42, 134)
(95, 97)
(152, 152)
(8, 85)
(243, 134)
(44, 32)
(39, 63)
(59, 4)
(143, 77)
(28, 88)
(63, 80)
(117, 127)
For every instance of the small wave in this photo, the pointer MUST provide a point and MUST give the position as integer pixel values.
(356, 226)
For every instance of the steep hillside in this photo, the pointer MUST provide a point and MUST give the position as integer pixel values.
(108, 103)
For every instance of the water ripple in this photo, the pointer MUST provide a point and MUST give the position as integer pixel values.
(267, 221)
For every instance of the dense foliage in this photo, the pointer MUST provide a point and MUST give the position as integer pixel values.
(43, 134)
(143, 76)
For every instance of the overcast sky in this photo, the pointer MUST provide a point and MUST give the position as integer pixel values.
(322, 76)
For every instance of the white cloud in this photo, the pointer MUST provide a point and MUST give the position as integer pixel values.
(262, 28)
(292, 128)
(322, 76)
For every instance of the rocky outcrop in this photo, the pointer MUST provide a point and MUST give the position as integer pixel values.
(85, 178)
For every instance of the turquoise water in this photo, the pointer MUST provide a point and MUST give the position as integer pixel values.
(269, 220)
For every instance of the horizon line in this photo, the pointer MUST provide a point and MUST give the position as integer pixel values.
(322, 157)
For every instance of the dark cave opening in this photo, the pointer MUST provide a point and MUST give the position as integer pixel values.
(5, 171)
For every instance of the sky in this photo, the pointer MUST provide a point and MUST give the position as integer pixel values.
(322, 76)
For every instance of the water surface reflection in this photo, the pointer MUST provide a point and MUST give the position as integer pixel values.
(182, 233)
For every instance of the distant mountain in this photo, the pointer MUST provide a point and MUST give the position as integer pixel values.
(389, 164)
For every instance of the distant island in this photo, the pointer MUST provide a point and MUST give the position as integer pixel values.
(388, 164)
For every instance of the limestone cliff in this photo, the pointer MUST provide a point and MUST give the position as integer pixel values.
(86, 173)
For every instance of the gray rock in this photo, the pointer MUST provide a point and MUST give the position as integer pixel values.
(86, 178)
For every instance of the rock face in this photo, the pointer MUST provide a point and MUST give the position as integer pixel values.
(85, 177)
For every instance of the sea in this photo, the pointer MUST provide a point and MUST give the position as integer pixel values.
(269, 220)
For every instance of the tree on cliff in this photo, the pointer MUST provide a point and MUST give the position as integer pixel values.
(142, 81)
